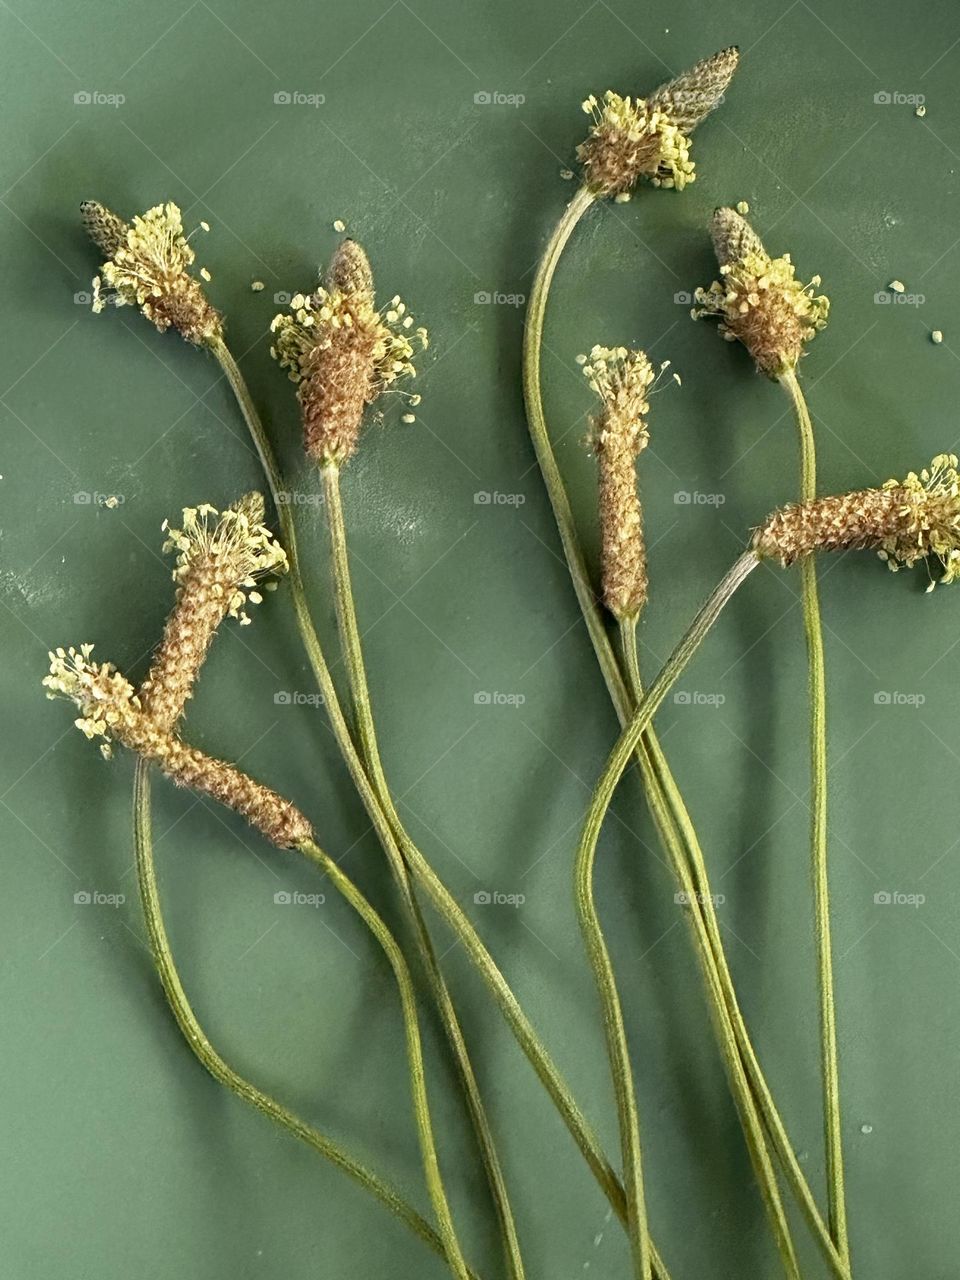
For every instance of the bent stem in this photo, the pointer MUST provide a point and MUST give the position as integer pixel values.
(353, 653)
(207, 1055)
(670, 833)
(829, 1066)
(408, 1000)
(439, 895)
(618, 1053)
(651, 754)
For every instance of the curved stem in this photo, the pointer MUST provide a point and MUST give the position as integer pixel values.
(408, 1001)
(650, 755)
(207, 1055)
(353, 652)
(829, 1066)
(618, 1053)
(657, 798)
(440, 896)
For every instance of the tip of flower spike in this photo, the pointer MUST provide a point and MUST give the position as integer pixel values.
(106, 229)
(690, 97)
(733, 237)
(349, 271)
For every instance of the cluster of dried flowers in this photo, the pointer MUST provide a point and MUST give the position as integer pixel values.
(344, 354)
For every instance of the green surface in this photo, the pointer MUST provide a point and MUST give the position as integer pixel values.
(120, 1155)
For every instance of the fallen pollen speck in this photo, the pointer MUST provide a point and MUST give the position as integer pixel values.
(742, 207)
(936, 336)
(921, 111)
(257, 286)
(897, 286)
(339, 225)
(866, 1128)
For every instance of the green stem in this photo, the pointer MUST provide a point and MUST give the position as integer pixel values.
(408, 1001)
(670, 834)
(440, 896)
(618, 1053)
(353, 652)
(830, 1071)
(207, 1055)
(655, 759)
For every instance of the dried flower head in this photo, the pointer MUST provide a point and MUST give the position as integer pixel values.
(758, 298)
(147, 266)
(110, 708)
(343, 353)
(905, 521)
(634, 138)
(222, 559)
(623, 380)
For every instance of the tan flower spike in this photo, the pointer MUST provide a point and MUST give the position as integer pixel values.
(110, 708)
(222, 557)
(758, 299)
(343, 353)
(623, 380)
(905, 521)
(634, 138)
(147, 266)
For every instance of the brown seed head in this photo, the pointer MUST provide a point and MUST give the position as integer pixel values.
(905, 521)
(634, 138)
(758, 298)
(343, 353)
(110, 708)
(221, 560)
(622, 379)
(149, 268)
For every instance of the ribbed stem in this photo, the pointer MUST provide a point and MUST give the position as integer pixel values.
(650, 747)
(830, 1071)
(418, 1083)
(423, 873)
(207, 1055)
(356, 670)
(618, 1055)
(740, 1086)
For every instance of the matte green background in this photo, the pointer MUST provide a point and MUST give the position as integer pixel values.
(120, 1155)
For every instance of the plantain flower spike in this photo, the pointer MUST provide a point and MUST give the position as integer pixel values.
(758, 299)
(147, 266)
(343, 353)
(623, 380)
(222, 557)
(905, 521)
(634, 138)
(110, 708)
